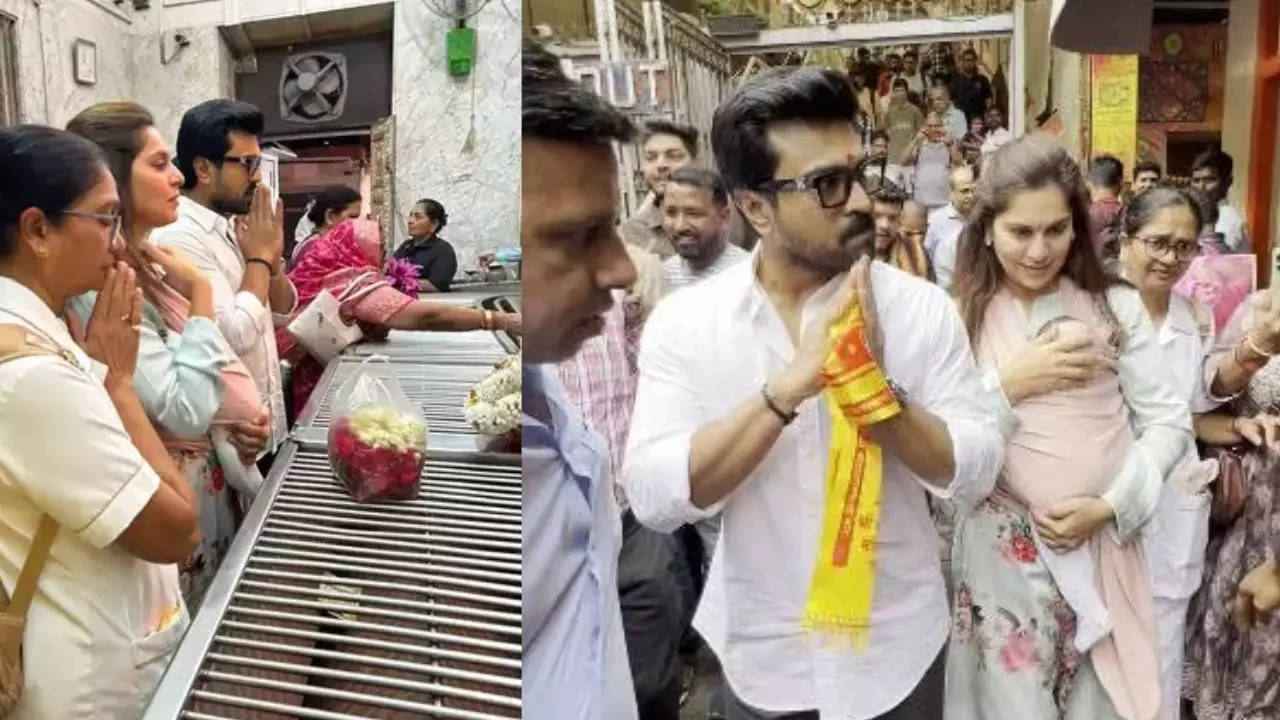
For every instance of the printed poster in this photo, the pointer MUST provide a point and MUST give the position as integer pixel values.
(1114, 123)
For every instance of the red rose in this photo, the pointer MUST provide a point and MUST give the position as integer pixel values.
(1024, 551)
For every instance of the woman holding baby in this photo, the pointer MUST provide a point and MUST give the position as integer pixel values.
(1054, 614)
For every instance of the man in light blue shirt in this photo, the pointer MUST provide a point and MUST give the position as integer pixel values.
(575, 664)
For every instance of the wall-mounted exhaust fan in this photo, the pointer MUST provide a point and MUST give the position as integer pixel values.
(313, 87)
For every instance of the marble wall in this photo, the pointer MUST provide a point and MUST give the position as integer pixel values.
(458, 139)
(201, 71)
(47, 32)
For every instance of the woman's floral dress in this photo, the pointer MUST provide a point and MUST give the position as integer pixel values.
(1012, 653)
(219, 520)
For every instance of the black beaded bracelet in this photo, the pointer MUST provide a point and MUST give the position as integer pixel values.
(786, 418)
(270, 269)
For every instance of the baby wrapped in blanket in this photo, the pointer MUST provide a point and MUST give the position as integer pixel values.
(1075, 443)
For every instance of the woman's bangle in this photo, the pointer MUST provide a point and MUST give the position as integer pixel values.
(486, 319)
(1253, 347)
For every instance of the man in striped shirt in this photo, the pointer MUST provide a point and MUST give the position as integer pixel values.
(695, 215)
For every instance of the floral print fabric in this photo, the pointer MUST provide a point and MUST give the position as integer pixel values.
(1012, 653)
(218, 523)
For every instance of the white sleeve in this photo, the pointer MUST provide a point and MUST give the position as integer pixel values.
(1159, 414)
(954, 392)
(75, 460)
(668, 411)
(240, 315)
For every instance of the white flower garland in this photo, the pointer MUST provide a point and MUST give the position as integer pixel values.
(493, 405)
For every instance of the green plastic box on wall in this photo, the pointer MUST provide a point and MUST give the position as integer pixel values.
(460, 49)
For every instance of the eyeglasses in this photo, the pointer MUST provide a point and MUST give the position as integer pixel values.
(113, 221)
(833, 185)
(1164, 246)
(249, 162)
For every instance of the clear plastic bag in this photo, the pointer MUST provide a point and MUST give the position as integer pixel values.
(377, 437)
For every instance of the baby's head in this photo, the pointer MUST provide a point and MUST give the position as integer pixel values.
(1102, 337)
(1065, 328)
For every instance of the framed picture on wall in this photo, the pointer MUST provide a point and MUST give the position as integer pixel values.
(85, 56)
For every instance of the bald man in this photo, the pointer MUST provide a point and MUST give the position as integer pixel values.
(946, 223)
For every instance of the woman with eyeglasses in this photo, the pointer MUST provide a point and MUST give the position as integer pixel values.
(1159, 232)
(193, 387)
(1053, 614)
(1230, 669)
(77, 447)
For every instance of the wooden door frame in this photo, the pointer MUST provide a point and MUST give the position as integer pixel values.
(1262, 142)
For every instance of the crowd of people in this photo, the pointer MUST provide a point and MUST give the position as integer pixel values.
(144, 301)
(1094, 457)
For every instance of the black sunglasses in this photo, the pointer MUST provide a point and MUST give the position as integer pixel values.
(834, 185)
(249, 162)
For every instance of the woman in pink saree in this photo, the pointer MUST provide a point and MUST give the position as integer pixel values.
(1053, 615)
(349, 258)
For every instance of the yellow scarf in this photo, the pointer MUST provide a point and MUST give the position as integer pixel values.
(857, 395)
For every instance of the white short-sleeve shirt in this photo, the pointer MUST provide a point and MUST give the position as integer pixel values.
(103, 623)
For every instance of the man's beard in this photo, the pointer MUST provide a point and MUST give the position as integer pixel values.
(699, 251)
(856, 241)
(224, 205)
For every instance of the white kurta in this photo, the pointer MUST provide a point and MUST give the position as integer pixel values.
(1174, 541)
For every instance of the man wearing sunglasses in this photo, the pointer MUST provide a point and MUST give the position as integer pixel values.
(229, 229)
(730, 418)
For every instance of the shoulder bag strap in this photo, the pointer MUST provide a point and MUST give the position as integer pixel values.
(17, 342)
(25, 590)
(351, 293)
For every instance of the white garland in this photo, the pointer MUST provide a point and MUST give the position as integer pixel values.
(493, 405)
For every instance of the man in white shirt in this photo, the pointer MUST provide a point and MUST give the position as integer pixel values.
(695, 216)
(575, 654)
(1211, 174)
(943, 237)
(953, 120)
(728, 418)
(219, 156)
(911, 72)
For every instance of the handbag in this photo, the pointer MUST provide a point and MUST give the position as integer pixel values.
(16, 342)
(320, 328)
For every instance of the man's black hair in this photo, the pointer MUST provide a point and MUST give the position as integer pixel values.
(687, 134)
(708, 180)
(1217, 161)
(205, 132)
(890, 194)
(739, 128)
(1148, 166)
(1106, 171)
(553, 107)
(879, 134)
(901, 83)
